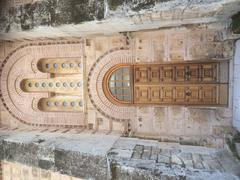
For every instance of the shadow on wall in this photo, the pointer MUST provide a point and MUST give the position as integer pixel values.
(236, 23)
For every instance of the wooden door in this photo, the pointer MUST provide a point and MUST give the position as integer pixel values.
(180, 84)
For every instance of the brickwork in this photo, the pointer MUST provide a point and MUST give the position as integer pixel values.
(95, 88)
(204, 126)
(16, 101)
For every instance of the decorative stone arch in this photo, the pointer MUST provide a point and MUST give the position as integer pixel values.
(96, 88)
(15, 100)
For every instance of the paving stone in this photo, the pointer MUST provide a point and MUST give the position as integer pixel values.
(238, 148)
(188, 163)
(154, 153)
(165, 152)
(206, 157)
(137, 152)
(176, 160)
(163, 159)
(185, 156)
(175, 151)
(212, 165)
(146, 152)
(197, 161)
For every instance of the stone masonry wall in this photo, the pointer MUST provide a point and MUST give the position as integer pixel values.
(58, 18)
(188, 125)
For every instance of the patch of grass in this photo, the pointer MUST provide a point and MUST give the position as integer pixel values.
(236, 23)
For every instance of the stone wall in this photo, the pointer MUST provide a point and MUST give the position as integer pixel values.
(51, 18)
(108, 157)
(18, 171)
(188, 125)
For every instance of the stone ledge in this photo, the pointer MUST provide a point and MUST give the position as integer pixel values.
(112, 157)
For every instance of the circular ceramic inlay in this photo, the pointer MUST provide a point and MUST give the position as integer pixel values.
(71, 65)
(80, 103)
(36, 84)
(72, 104)
(49, 103)
(55, 65)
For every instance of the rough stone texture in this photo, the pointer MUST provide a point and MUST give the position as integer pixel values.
(187, 125)
(110, 157)
(174, 161)
(50, 13)
(79, 156)
(80, 165)
(51, 18)
(238, 148)
(17, 171)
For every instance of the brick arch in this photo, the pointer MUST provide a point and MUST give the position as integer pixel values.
(22, 61)
(96, 80)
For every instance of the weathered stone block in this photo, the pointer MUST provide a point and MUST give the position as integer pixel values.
(80, 165)
(163, 159)
(197, 161)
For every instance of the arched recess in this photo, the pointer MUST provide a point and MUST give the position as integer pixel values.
(96, 81)
(23, 105)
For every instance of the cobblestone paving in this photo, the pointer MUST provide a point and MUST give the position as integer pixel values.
(171, 157)
(153, 160)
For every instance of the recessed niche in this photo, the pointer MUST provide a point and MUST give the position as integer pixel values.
(60, 85)
(60, 103)
(60, 66)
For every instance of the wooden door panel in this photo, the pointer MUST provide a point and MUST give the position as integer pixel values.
(192, 94)
(167, 74)
(209, 94)
(156, 95)
(193, 73)
(180, 94)
(180, 75)
(141, 74)
(154, 74)
(168, 94)
(209, 72)
(142, 95)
